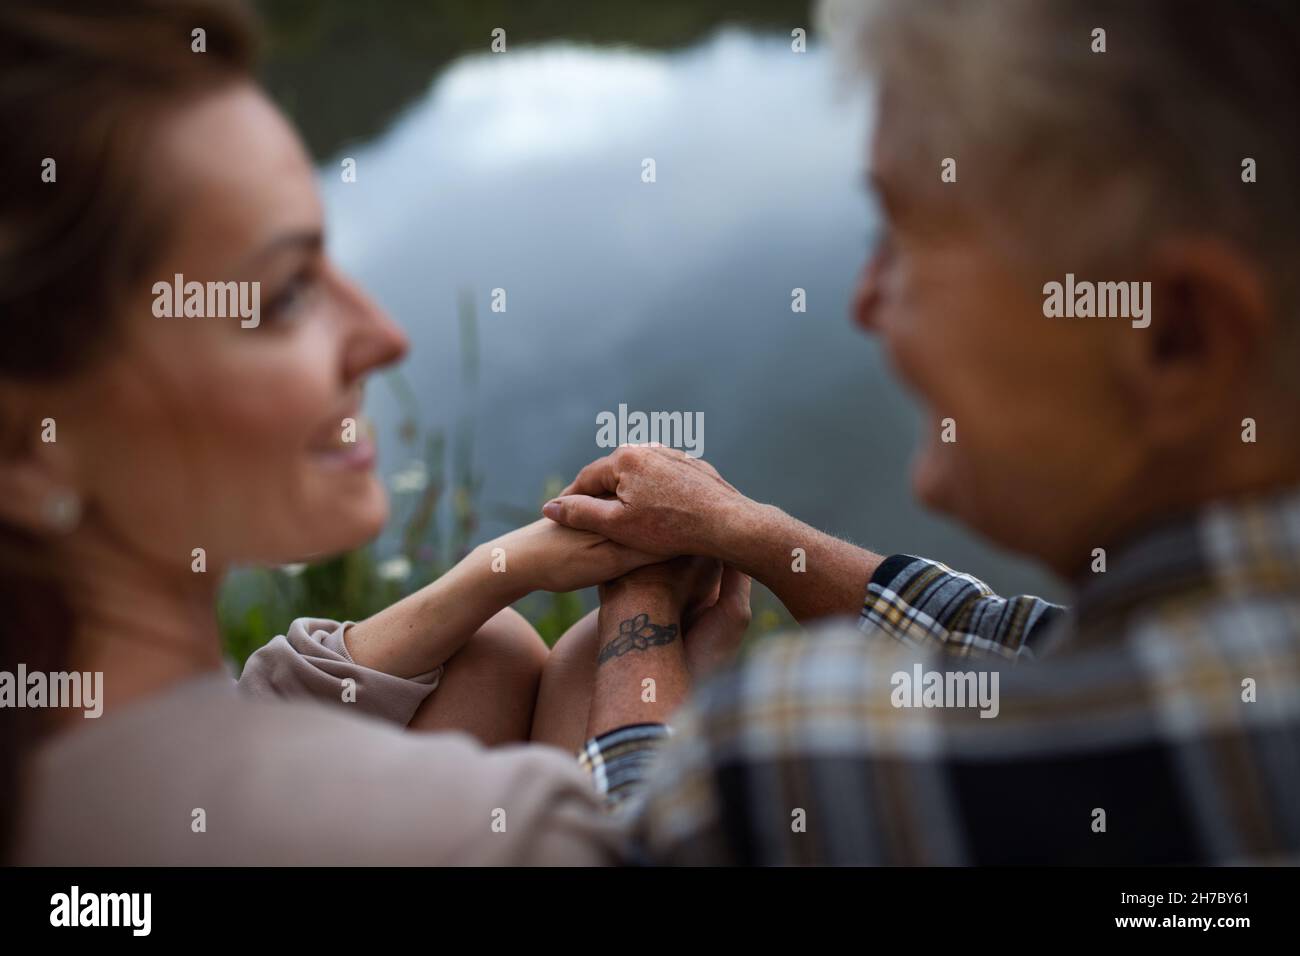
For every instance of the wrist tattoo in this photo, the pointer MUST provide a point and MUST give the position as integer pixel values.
(637, 634)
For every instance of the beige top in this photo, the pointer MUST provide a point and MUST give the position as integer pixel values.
(286, 772)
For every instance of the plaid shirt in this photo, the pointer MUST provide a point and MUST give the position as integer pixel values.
(1159, 723)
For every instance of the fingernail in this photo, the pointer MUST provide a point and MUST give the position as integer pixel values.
(551, 510)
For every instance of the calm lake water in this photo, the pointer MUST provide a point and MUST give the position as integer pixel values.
(523, 172)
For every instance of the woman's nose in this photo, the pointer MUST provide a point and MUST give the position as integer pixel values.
(374, 339)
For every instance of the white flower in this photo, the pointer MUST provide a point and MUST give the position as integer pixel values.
(293, 570)
(394, 569)
(414, 477)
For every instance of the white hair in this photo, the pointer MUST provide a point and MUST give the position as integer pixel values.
(1094, 154)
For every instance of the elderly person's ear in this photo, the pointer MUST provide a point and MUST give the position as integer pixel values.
(1212, 332)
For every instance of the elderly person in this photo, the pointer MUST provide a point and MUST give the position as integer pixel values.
(1153, 463)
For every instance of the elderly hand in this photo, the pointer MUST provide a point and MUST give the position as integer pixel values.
(660, 501)
(654, 499)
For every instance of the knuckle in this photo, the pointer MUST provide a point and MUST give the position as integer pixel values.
(741, 612)
(628, 457)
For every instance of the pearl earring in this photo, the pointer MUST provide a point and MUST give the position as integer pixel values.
(62, 511)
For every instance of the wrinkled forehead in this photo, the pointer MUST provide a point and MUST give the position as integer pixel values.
(894, 144)
(908, 149)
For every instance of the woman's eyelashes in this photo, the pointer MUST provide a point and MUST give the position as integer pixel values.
(291, 298)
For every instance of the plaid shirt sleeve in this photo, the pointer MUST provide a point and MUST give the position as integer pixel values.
(929, 606)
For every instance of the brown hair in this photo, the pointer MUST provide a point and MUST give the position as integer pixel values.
(82, 83)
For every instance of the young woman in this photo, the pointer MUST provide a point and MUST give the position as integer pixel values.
(128, 441)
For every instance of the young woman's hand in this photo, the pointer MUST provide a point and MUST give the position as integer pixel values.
(545, 556)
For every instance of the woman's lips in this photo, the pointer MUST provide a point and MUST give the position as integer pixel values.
(358, 456)
(348, 448)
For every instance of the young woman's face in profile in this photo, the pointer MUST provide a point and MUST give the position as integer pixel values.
(201, 432)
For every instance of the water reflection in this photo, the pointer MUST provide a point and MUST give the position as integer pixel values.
(523, 172)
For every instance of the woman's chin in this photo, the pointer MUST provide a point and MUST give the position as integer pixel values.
(351, 522)
(362, 518)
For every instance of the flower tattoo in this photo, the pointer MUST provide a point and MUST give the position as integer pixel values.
(637, 634)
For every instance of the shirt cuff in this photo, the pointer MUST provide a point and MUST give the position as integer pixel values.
(619, 760)
(924, 603)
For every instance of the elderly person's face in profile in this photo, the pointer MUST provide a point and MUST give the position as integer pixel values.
(1015, 404)
(1092, 422)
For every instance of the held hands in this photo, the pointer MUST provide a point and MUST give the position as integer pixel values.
(667, 504)
(654, 499)
(660, 501)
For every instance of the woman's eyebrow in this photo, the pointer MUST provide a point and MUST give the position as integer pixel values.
(309, 240)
